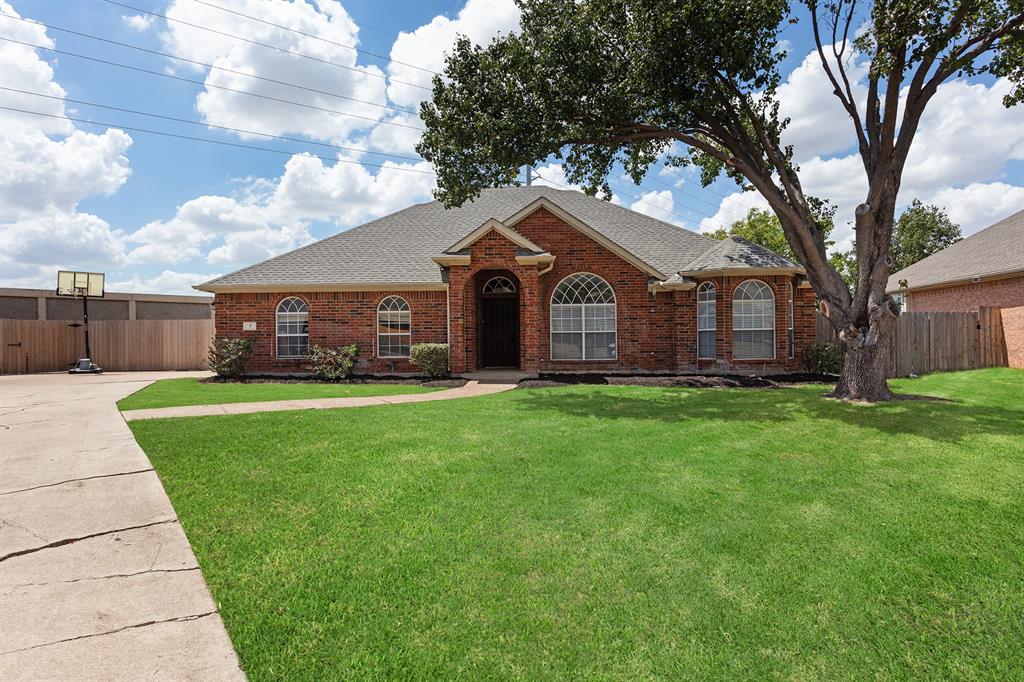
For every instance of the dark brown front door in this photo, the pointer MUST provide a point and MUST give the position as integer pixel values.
(500, 333)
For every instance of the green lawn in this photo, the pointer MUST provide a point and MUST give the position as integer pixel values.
(172, 392)
(626, 533)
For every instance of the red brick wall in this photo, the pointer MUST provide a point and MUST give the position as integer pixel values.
(335, 318)
(965, 298)
(1013, 335)
(803, 315)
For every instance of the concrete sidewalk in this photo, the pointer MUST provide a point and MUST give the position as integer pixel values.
(97, 579)
(472, 389)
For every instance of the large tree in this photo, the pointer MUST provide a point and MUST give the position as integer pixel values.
(920, 231)
(607, 82)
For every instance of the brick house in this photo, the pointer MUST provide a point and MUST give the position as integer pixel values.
(985, 269)
(532, 278)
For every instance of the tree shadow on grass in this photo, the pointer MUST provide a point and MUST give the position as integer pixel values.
(940, 420)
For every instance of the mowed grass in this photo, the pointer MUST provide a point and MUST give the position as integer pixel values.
(618, 533)
(173, 392)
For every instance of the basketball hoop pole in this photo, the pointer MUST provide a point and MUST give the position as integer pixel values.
(85, 320)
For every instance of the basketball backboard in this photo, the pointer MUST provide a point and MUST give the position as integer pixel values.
(80, 284)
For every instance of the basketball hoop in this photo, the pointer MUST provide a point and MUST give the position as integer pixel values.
(83, 285)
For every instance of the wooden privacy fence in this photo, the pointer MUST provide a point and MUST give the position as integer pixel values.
(49, 346)
(939, 342)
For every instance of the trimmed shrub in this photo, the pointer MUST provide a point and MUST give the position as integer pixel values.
(824, 358)
(332, 364)
(229, 357)
(432, 358)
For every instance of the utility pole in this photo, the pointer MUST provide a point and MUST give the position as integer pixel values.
(529, 175)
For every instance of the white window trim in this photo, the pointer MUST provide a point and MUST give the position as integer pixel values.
(772, 329)
(583, 322)
(790, 322)
(278, 334)
(376, 322)
(704, 287)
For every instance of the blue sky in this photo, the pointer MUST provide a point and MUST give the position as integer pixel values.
(160, 214)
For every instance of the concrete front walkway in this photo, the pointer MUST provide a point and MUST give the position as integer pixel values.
(495, 383)
(97, 579)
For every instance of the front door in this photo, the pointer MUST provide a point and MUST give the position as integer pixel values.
(500, 333)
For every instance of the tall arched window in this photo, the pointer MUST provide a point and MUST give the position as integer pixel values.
(753, 321)
(292, 328)
(583, 325)
(394, 328)
(790, 327)
(706, 320)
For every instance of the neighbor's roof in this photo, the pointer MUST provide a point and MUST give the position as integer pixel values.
(737, 253)
(996, 250)
(398, 248)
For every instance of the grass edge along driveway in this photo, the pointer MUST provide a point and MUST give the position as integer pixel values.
(191, 391)
(599, 532)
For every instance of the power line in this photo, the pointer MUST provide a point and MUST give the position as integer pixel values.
(204, 64)
(219, 142)
(718, 206)
(209, 85)
(210, 125)
(314, 36)
(266, 45)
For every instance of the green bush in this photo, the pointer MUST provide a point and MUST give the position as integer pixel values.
(824, 358)
(332, 364)
(229, 357)
(432, 358)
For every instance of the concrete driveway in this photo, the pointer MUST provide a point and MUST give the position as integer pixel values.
(97, 579)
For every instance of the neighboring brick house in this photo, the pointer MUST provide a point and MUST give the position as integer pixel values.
(985, 269)
(532, 278)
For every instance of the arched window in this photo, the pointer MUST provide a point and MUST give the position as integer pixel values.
(753, 321)
(706, 319)
(292, 328)
(583, 319)
(393, 328)
(791, 332)
(499, 285)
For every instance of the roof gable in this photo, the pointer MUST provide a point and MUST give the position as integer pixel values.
(741, 256)
(495, 226)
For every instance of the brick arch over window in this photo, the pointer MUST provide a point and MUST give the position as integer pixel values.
(583, 319)
(753, 321)
(292, 328)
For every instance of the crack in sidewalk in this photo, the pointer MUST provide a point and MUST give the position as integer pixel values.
(106, 577)
(73, 480)
(68, 541)
(178, 619)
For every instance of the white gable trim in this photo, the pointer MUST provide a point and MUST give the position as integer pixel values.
(496, 225)
(544, 202)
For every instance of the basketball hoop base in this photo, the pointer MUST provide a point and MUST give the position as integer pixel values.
(85, 366)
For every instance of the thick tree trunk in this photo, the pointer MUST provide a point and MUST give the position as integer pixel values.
(863, 375)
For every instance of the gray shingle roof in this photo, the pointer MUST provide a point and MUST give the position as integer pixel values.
(736, 252)
(398, 247)
(996, 250)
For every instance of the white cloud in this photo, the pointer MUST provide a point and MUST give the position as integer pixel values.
(732, 206)
(978, 205)
(167, 282)
(333, 69)
(268, 217)
(479, 20)
(43, 178)
(656, 204)
(819, 125)
(138, 22)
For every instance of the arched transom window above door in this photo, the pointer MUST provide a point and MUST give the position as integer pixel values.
(499, 285)
(583, 319)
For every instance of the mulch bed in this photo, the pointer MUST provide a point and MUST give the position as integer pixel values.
(426, 383)
(687, 380)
